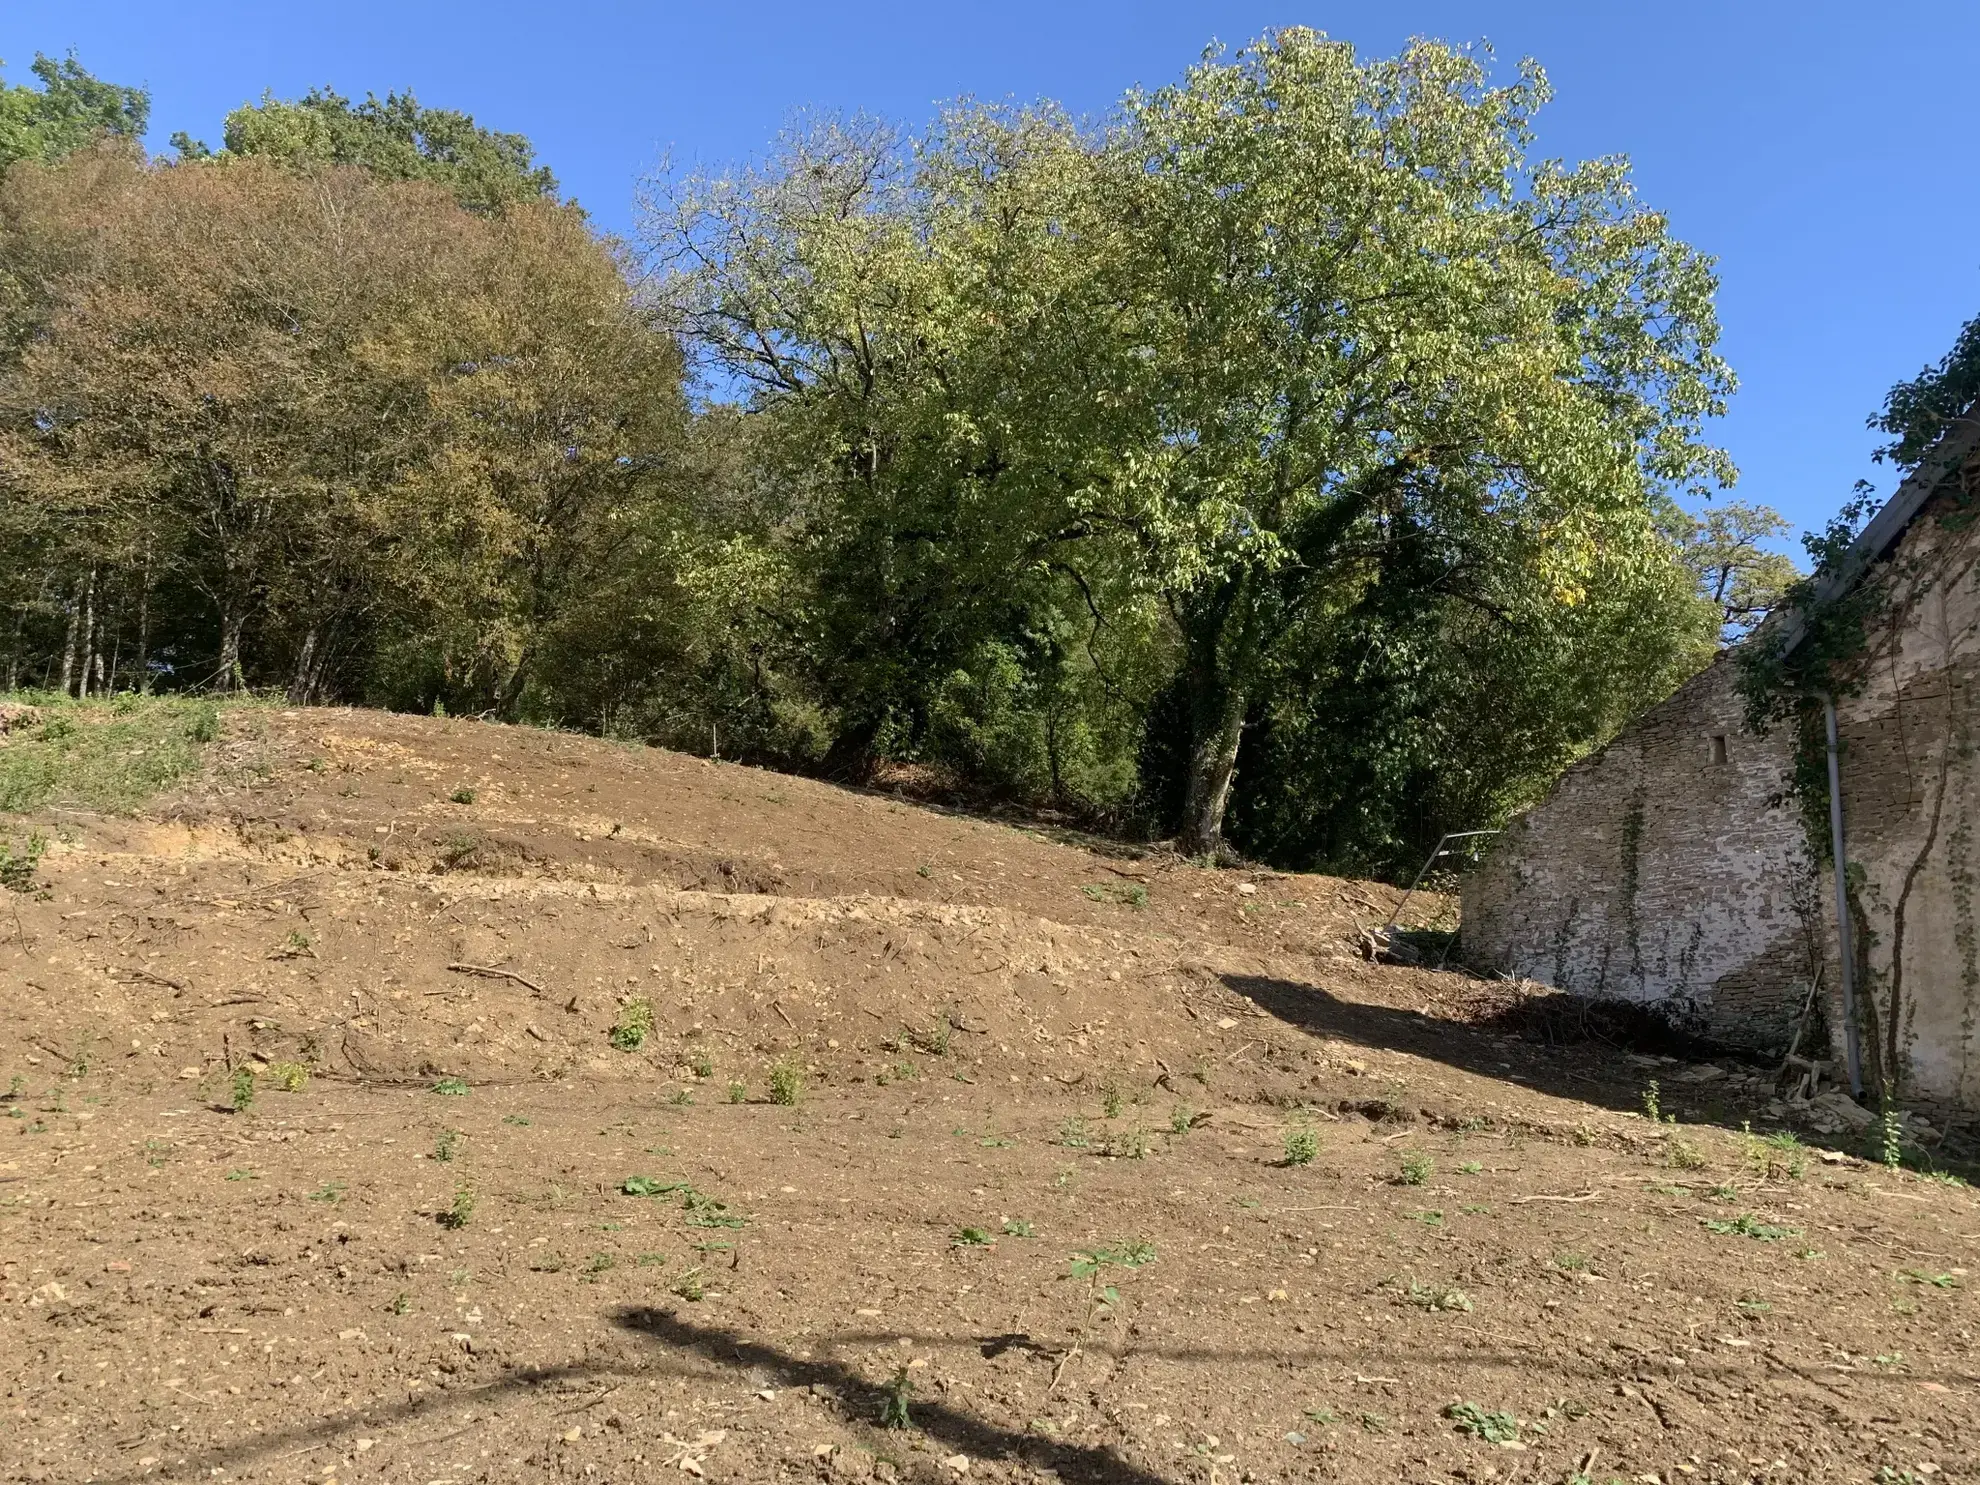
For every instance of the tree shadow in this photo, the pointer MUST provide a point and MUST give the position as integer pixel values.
(1555, 1043)
(958, 1431)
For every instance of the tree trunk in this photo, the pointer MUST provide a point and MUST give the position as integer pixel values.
(302, 679)
(69, 645)
(144, 630)
(1216, 728)
(1221, 640)
(231, 624)
(91, 660)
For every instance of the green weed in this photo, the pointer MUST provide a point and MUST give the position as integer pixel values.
(446, 1143)
(970, 1237)
(786, 1083)
(1493, 1428)
(1301, 1145)
(451, 1088)
(461, 1211)
(463, 795)
(289, 1077)
(635, 1024)
(1018, 1227)
(241, 1088)
(1438, 1298)
(894, 1401)
(105, 757)
(1748, 1225)
(1415, 1169)
(738, 1093)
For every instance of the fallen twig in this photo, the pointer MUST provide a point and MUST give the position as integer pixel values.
(1585, 1196)
(491, 972)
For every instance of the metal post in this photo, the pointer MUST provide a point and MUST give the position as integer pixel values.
(1845, 936)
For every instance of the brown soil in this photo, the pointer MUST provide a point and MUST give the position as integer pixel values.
(999, 1037)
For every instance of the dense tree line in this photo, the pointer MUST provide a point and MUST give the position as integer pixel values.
(1288, 455)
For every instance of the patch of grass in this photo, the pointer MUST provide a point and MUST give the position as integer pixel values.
(1182, 1119)
(786, 1083)
(241, 1088)
(700, 1064)
(289, 1077)
(1018, 1227)
(935, 1041)
(1570, 1263)
(1301, 1145)
(461, 1211)
(971, 1237)
(1682, 1154)
(1438, 1298)
(516, 1119)
(1131, 1144)
(680, 1098)
(20, 865)
(738, 1093)
(1110, 1100)
(330, 1191)
(689, 1287)
(1073, 1134)
(1493, 1428)
(1415, 1169)
(635, 1024)
(109, 756)
(1748, 1225)
(463, 795)
(446, 1143)
(1920, 1276)
(647, 1186)
(243, 1175)
(1126, 893)
(707, 1211)
(458, 850)
(451, 1088)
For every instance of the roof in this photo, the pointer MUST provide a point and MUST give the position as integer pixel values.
(1953, 449)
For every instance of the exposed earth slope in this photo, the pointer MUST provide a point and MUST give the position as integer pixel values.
(613, 1114)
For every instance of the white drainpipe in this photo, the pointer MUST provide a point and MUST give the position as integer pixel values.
(1845, 935)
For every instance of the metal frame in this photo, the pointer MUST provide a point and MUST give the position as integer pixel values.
(1442, 841)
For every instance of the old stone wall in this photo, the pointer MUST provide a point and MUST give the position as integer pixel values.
(1669, 868)
(1911, 799)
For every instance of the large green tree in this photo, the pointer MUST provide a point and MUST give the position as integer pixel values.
(71, 109)
(1267, 339)
(394, 138)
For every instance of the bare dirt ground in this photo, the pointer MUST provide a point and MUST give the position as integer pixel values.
(482, 1242)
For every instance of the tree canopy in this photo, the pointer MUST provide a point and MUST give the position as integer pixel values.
(70, 110)
(393, 138)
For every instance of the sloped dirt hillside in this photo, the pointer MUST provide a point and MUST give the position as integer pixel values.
(418, 1100)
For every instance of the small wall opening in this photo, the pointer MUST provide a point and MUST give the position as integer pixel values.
(1719, 747)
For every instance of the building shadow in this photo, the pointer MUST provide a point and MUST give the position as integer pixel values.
(1559, 1044)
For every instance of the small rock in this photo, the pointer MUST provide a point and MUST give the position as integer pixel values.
(1225, 1023)
(957, 1462)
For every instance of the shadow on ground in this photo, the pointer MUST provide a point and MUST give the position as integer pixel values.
(1565, 1046)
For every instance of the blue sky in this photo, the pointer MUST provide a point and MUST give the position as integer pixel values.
(1818, 150)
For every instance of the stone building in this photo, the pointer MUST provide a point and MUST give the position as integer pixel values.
(1678, 867)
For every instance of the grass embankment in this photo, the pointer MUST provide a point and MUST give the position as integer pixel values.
(108, 755)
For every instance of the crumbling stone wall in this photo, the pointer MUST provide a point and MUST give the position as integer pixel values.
(1911, 804)
(1669, 869)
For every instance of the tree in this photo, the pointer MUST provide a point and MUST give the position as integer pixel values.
(394, 138)
(1722, 548)
(70, 111)
(1916, 412)
(1369, 320)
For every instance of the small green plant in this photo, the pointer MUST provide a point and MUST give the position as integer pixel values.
(1570, 1263)
(786, 1083)
(635, 1024)
(289, 1077)
(738, 1092)
(241, 1175)
(1921, 1276)
(1493, 1428)
(463, 795)
(456, 849)
(1321, 1416)
(401, 1303)
(1748, 1225)
(1415, 1169)
(330, 1191)
(689, 1286)
(296, 945)
(461, 1211)
(516, 1119)
(701, 1064)
(1890, 1135)
(1470, 1168)
(1438, 1298)
(1018, 1227)
(680, 1098)
(1182, 1119)
(971, 1237)
(446, 1143)
(894, 1401)
(647, 1186)
(1073, 1134)
(1301, 1145)
(1110, 1101)
(706, 1211)
(1653, 1108)
(241, 1088)
(1132, 896)
(451, 1088)
(936, 1040)
(1682, 1154)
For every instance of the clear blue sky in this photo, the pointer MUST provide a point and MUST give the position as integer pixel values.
(1820, 150)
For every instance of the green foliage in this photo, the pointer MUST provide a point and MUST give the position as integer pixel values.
(1302, 1144)
(786, 1083)
(1917, 412)
(1414, 1169)
(101, 756)
(241, 1088)
(635, 1023)
(1748, 1225)
(894, 1399)
(393, 138)
(451, 1088)
(68, 112)
(20, 865)
(461, 1210)
(1493, 1428)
